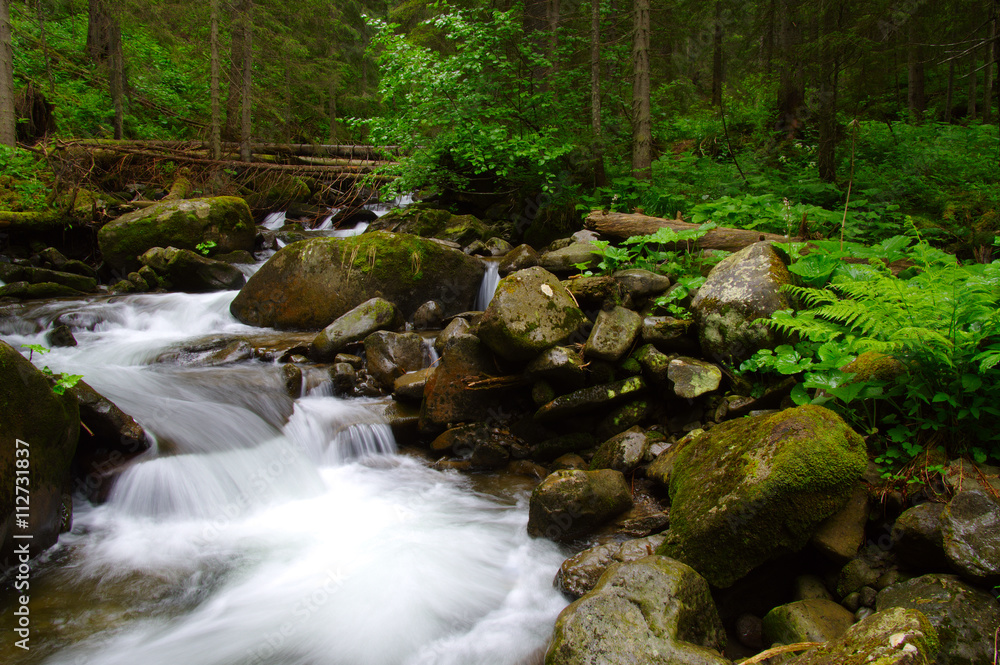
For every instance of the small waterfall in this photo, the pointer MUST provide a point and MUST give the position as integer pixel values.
(489, 284)
(274, 221)
(355, 230)
(326, 224)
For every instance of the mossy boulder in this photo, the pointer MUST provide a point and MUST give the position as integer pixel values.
(10, 272)
(224, 220)
(571, 504)
(586, 400)
(613, 334)
(354, 326)
(654, 610)
(566, 259)
(970, 529)
(813, 620)
(622, 452)
(530, 312)
(965, 618)
(750, 490)
(427, 222)
(191, 272)
(581, 572)
(692, 377)
(741, 290)
(49, 426)
(309, 284)
(893, 637)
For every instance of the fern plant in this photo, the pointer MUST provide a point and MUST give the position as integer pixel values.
(942, 325)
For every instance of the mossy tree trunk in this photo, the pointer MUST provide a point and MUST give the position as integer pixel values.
(7, 120)
(642, 119)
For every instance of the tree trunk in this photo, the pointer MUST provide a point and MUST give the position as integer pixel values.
(595, 68)
(116, 69)
(552, 13)
(827, 157)
(247, 80)
(717, 56)
(216, 138)
(45, 47)
(642, 121)
(915, 73)
(790, 92)
(96, 46)
(950, 94)
(7, 120)
(233, 104)
(988, 73)
(972, 87)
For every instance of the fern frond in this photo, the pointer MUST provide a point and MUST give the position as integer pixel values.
(810, 296)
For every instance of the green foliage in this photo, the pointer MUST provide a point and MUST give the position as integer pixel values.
(942, 325)
(61, 381)
(22, 174)
(206, 247)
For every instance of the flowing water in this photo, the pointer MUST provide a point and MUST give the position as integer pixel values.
(489, 284)
(262, 529)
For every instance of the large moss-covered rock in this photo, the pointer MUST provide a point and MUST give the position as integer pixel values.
(354, 326)
(570, 504)
(10, 272)
(530, 312)
(191, 272)
(752, 489)
(224, 220)
(740, 290)
(427, 222)
(654, 610)
(894, 637)
(49, 426)
(965, 618)
(308, 284)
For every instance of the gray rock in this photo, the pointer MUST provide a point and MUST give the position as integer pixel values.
(390, 355)
(11, 273)
(970, 530)
(642, 283)
(457, 326)
(965, 618)
(560, 366)
(345, 378)
(498, 247)
(654, 363)
(622, 452)
(841, 534)
(191, 272)
(664, 331)
(447, 398)
(60, 336)
(917, 539)
(565, 260)
(693, 377)
(810, 587)
(570, 504)
(613, 334)
(580, 573)
(742, 289)
(519, 258)
(428, 316)
(814, 620)
(354, 326)
(410, 386)
(654, 610)
(530, 312)
(894, 637)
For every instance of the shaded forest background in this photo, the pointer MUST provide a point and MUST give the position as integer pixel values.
(761, 113)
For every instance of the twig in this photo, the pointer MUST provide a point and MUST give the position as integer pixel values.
(850, 183)
(777, 651)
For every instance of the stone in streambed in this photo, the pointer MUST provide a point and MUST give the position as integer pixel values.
(354, 326)
(570, 504)
(49, 426)
(586, 399)
(917, 539)
(309, 284)
(10, 272)
(741, 291)
(622, 452)
(642, 283)
(560, 366)
(654, 610)
(750, 490)
(692, 377)
(566, 259)
(519, 258)
(613, 334)
(191, 272)
(580, 573)
(410, 386)
(530, 312)
(813, 620)
(894, 637)
(391, 354)
(970, 530)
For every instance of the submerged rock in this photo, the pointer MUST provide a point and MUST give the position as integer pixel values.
(570, 504)
(750, 490)
(654, 610)
(224, 220)
(308, 284)
(740, 291)
(530, 312)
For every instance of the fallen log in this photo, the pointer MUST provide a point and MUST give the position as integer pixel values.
(351, 152)
(622, 225)
(46, 220)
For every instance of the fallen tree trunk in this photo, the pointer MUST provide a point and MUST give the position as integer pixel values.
(353, 152)
(47, 220)
(621, 225)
